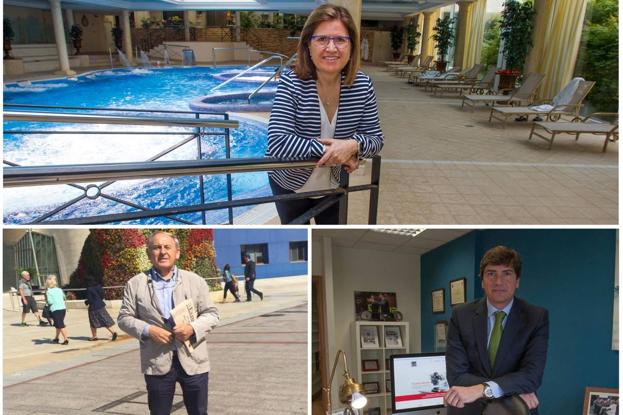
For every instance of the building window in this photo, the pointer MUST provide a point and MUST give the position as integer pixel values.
(46, 260)
(298, 251)
(257, 252)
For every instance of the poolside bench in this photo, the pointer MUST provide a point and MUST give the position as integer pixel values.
(587, 125)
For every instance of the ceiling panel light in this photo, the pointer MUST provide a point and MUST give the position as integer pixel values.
(412, 232)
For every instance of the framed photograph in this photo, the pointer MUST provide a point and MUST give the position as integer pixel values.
(441, 330)
(372, 305)
(374, 411)
(388, 385)
(393, 339)
(369, 337)
(598, 401)
(439, 300)
(369, 365)
(371, 387)
(458, 291)
(387, 365)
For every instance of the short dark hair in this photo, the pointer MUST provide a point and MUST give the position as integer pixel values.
(305, 68)
(501, 255)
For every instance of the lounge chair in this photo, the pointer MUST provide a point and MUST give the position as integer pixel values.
(567, 102)
(525, 93)
(587, 125)
(424, 65)
(421, 78)
(414, 64)
(402, 60)
(463, 88)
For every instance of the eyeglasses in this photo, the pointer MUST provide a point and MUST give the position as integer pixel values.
(322, 41)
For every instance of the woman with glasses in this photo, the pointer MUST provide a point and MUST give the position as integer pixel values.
(325, 108)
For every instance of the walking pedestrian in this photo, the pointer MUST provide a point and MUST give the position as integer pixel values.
(55, 298)
(231, 284)
(28, 301)
(249, 278)
(98, 316)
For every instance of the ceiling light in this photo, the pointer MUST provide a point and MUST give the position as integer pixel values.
(412, 232)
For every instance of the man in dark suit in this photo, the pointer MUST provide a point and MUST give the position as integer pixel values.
(249, 278)
(497, 346)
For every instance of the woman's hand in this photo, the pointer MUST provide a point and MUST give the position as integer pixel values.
(337, 151)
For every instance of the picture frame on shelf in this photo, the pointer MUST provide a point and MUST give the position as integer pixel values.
(374, 411)
(388, 385)
(441, 332)
(376, 306)
(439, 300)
(458, 294)
(370, 365)
(387, 365)
(393, 338)
(597, 400)
(371, 387)
(369, 337)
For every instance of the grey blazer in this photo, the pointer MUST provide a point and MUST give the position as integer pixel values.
(141, 307)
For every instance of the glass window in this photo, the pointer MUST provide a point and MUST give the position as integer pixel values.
(45, 249)
(257, 252)
(298, 251)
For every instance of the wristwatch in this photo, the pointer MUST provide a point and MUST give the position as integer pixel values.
(488, 392)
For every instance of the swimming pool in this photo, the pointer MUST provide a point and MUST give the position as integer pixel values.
(154, 89)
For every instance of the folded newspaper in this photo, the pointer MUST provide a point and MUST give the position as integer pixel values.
(185, 313)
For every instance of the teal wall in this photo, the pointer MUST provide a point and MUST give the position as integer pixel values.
(571, 273)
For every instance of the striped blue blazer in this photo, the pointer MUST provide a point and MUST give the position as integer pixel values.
(294, 125)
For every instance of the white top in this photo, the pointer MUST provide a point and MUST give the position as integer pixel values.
(320, 178)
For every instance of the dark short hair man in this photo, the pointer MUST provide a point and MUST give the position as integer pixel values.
(497, 345)
(145, 314)
(249, 278)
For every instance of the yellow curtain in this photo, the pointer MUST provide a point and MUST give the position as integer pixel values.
(556, 42)
(470, 33)
(428, 44)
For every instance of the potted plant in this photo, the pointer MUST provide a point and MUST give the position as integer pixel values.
(117, 34)
(444, 38)
(516, 32)
(75, 34)
(396, 41)
(9, 35)
(412, 40)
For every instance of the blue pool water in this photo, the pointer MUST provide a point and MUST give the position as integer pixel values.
(153, 89)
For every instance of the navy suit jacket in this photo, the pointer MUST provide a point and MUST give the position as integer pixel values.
(521, 355)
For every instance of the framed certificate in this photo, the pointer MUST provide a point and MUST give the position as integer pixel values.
(369, 365)
(441, 330)
(371, 387)
(457, 291)
(439, 299)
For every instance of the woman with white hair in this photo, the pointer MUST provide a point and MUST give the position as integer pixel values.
(55, 297)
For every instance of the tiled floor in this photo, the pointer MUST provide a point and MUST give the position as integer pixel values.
(443, 165)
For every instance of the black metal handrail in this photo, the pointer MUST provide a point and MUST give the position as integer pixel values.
(23, 176)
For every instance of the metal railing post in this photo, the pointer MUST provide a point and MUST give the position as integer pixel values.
(201, 184)
(343, 203)
(375, 178)
(230, 210)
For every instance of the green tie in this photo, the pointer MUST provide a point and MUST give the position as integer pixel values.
(496, 335)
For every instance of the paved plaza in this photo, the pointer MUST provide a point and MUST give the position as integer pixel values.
(258, 356)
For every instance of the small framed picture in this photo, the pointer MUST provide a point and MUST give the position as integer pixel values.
(598, 401)
(441, 330)
(457, 291)
(388, 385)
(371, 387)
(370, 365)
(374, 411)
(387, 365)
(439, 300)
(393, 339)
(369, 337)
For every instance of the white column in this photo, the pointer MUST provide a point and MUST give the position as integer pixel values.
(186, 27)
(127, 34)
(237, 26)
(59, 34)
(69, 17)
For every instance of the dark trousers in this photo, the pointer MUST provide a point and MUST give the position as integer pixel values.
(292, 209)
(231, 287)
(160, 390)
(248, 287)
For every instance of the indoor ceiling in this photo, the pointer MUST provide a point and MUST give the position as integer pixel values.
(370, 239)
(371, 9)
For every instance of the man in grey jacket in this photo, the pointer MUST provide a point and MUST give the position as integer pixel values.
(145, 314)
